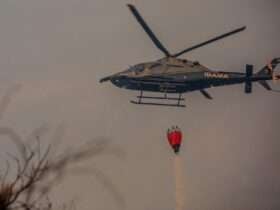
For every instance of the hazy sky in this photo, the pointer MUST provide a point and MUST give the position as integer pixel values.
(59, 49)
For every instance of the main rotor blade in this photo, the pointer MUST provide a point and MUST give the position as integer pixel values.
(147, 29)
(210, 41)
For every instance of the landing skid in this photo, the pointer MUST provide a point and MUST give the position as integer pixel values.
(164, 98)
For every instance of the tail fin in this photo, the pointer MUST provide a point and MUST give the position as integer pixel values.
(269, 69)
(265, 85)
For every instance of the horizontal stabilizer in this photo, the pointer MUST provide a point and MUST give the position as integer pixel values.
(206, 94)
(265, 85)
(248, 82)
(248, 87)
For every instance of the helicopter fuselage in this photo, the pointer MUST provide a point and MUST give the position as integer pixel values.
(173, 75)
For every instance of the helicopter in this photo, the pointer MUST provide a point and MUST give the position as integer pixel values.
(172, 75)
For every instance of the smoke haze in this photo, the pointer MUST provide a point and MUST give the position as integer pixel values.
(59, 49)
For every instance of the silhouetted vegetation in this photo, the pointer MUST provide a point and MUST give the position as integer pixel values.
(28, 177)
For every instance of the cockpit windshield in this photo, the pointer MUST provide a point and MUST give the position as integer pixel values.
(137, 69)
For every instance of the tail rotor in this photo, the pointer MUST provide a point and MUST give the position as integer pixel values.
(266, 73)
(269, 69)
